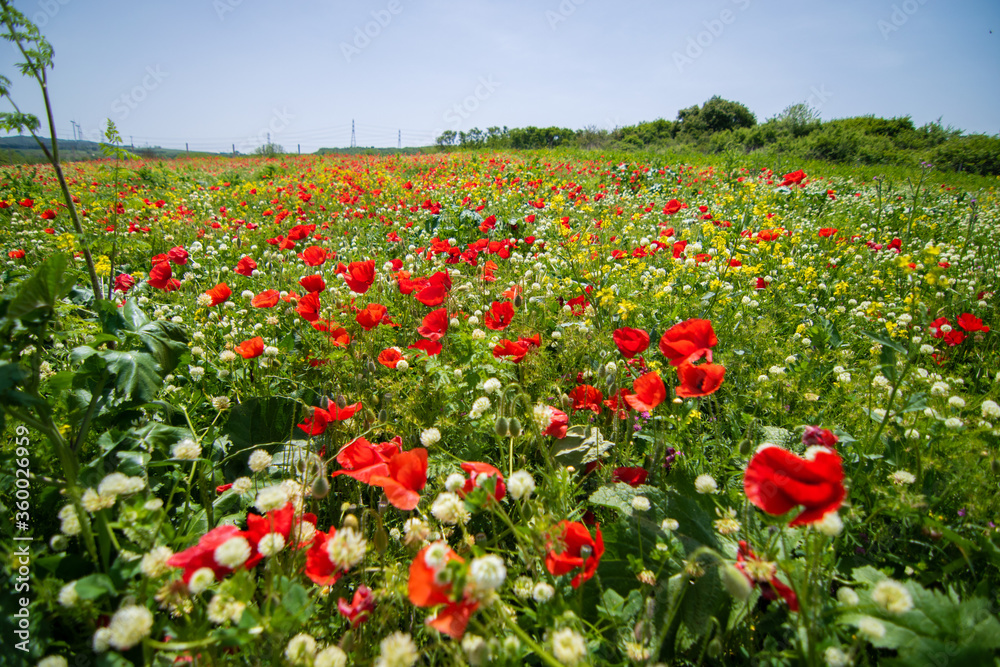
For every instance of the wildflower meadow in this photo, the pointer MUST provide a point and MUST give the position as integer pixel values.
(513, 408)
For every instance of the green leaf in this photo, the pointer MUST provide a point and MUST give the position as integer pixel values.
(94, 586)
(166, 341)
(137, 377)
(580, 446)
(258, 421)
(887, 359)
(620, 496)
(885, 342)
(40, 293)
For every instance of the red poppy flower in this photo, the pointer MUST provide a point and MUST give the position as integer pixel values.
(794, 178)
(971, 323)
(815, 435)
(432, 295)
(266, 299)
(827, 232)
(777, 481)
(249, 349)
(219, 293)
(407, 477)
(586, 397)
(299, 232)
(245, 266)
(936, 325)
(427, 589)
(316, 422)
(362, 460)
(48, 214)
(682, 340)
(760, 573)
(178, 255)
(360, 608)
(700, 380)
(339, 337)
(633, 476)
(672, 207)
(508, 348)
(202, 554)
(277, 522)
(390, 357)
(159, 275)
(761, 283)
(313, 255)
(558, 424)
(313, 283)
(631, 342)
(123, 281)
(430, 347)
(319, 568)
(649, 392)
(360, 275)
(499, 315)
(479, 474)
(16, 254)
(575, 542)
(434, 324)
(308, 307)
(27, 202)
(371, 316)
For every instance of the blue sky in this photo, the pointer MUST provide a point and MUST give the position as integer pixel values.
(214, 73)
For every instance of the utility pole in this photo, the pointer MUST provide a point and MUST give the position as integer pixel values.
(269, 139)
(399, 139)
(234, 150)
(300, 149)
(73, 122)
(187, 151)
(354, 141)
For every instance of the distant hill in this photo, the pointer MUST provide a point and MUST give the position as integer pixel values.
(365, 150)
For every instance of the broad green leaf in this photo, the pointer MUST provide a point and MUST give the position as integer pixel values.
(885, 342)
(620, 496)
(580, 446)
(136, 375)
(40, 293)
(94, 586)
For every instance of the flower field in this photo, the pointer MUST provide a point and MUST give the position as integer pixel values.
(535, 408)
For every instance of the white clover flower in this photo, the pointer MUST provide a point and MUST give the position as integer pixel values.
(204, 300)
(196, 372)
(223, 608)
(476, 649)
(271, 498)
(640, 503)
(68, 596)
(487, 573)
(259, 460)
(430, 437)
(415, 531)
(227, 356)
(247, 294)
(492, 386)
(836, 658)
(232, 553)
(186, 450)
(940, 389)
(331, 656)
(200, 580)
(53, 661)
(705, 484)
(455, 481)
(871, 628)
(892, 596)
(449, 509)
(347, 548)
(270, 544)
(542, 592)
(956, 402)
(568, 647)
(221, 403)
(397, 650)
(953, 423)
(242, 484)
(831, 525)
(926, 349)
(901, 477)
(154, 562)
(300, 649)
(92, 501)
(101, 640)
(70, 522)
(521, 485)
(479, 406)
(847, 597)
(129, 626)
(990, 409)
(118, 484)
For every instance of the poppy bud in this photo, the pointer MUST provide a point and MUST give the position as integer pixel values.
(714, 648)
(371, 366)
(502, 428)
(602, 370)
(341, 401)
(381, 539)
(566, 401)
(518, 300)
(383, 416)
(745, 446)
(300, 465)
(320, 487)
(609, 381)
(349, 521)
(736, 582)
(514, 427)
(638, 631)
